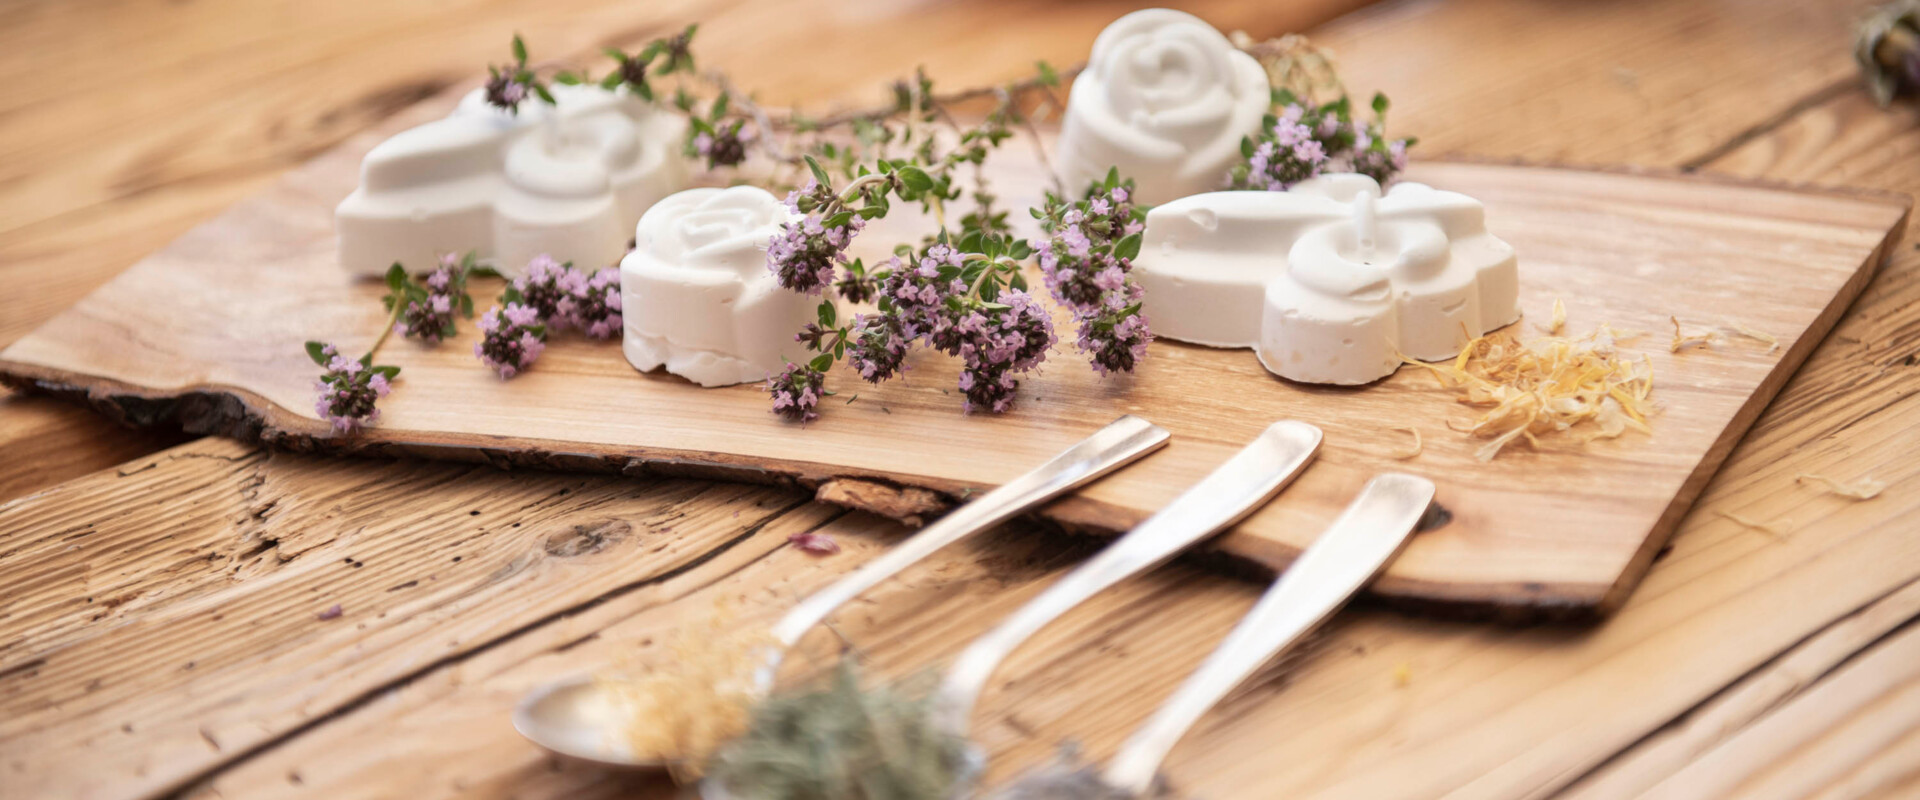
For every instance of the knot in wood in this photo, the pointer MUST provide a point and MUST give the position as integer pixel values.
(588, 538)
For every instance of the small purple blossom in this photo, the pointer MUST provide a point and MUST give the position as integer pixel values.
(724, 146)
(596, 305)
(511, 339)
(878, 349)
(1086, 271)
(506, 91)
(806, 252)
(347, 391)
(552, 289)
(430, 318)
(796, 392)
(1303, 142)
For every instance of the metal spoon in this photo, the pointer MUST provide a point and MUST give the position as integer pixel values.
(573, 718)
(1232, 491)
(1373, 529)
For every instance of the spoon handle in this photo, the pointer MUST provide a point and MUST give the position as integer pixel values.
(1108, 449)
(1365, 537)
(1245, 482)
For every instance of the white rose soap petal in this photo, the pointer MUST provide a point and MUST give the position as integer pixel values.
(1330, 281)
(696, 293)
(568, 180)
(1166, 99)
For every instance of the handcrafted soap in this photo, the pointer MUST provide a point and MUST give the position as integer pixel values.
(697, 295)
(568, 180)
(1166, 99)
(1330, 281)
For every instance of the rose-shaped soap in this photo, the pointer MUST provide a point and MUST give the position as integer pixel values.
(568, 180)
(1166, 99)
(1330, 281)
(696, 293)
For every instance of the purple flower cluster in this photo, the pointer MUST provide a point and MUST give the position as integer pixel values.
(430, 318)
(551, 289)
(806, 252)
(1086, 258)
(995, 342)
(511, 339)
(1303, 141)
(348, 390)
(878, 349)
(506, 91)
(596, 305)
(724, 146)
(796, 392)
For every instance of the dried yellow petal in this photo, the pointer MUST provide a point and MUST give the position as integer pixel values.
(681, 711)
(1583, 386)
(1417, 446)
(1774, 528)
(1683, 340)
(1862, 489)
(1768, 339)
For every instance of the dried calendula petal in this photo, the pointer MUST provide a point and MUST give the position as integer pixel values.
(680, 709)
(1559, 321)
(1772, 342)
(1862, 489)
(1410, 452)
(1683, 340)
(1582, 386)
(1777, 529)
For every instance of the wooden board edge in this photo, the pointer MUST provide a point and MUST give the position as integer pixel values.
(239, 414)
(1900, 200)
(1756, 403)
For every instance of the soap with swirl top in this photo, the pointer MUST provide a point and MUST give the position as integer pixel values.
(1165, 98)
(696, 293)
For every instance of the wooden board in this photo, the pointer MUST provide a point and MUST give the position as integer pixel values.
(208, 332)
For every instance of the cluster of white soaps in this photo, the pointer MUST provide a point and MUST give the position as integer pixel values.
(1329, 282)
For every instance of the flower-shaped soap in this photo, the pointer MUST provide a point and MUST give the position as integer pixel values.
(1330, 281)
(568, 180)
(1166, 99)
(697, 295)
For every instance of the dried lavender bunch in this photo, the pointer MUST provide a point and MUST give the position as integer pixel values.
(511, 337)
(1303, 140)
(349, 388)
(838, 741)
(1086, 257)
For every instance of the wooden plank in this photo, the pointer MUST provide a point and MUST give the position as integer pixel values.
(176, 640)
(224, 311)
(44, 442)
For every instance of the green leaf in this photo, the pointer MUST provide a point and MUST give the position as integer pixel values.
(567, 78)
(613, 79)
(466, 306)
(387, 370)
(483, 270)
(818, 173)
(511, 295)
(915, 178)
(1048, 77)
(318, 352)
(396, 277)
(1128, 248)
(1246, 147)
(839, 220)
(645, 91)
(615, 54)
(545, 95)
(1018, 281)
(1020, 250)
(821, 362)
(827, 313)
(1379, 103)
(519, 49)
(720, 105)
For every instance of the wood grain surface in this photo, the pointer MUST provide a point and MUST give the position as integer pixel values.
(218, 318)
(1732, 626)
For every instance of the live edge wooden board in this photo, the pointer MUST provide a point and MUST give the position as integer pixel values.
(208, 332)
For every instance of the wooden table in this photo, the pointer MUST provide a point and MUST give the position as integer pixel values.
(161, 630)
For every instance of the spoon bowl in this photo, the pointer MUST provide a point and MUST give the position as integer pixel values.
(576, 720)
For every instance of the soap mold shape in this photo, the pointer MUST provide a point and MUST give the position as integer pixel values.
(1330, 281)
(1166, 99)
(568, 180)
(696, 293)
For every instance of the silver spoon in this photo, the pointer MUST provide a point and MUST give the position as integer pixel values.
(1232, 491)
(1373, 529)
(573, 718)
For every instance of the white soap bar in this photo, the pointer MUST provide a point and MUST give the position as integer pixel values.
(1166, 99)
(568, 181)
(1330, 281)
(696, 292)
